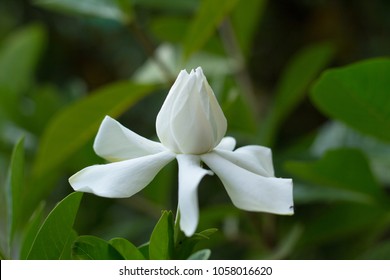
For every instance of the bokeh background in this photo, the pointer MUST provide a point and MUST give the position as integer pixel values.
(56, 55)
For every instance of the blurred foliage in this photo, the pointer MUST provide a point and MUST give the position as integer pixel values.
(307, 78)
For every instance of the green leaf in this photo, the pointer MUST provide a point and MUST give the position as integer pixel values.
(357, 95)
(31, 230)
(185, 245)
(126, 249)
(15, 184)
(88, 247)
(144, 249)
(335, 134)
(54, 234)
(118, 10)
(200, 255)
(74, 126)
(162, 240)
(19, 55)
(245, 18)
(67, 252)
(294, 82)
(344, 169)
(209, 16)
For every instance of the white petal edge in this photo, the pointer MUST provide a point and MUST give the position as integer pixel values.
(250, 191)
(120, 179)
(227, 143)
(114, 142)
(190, 175)
(257, 159)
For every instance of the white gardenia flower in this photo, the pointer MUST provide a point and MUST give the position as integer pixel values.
(191, 127)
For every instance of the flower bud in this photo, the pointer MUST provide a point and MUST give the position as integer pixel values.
(191, 120)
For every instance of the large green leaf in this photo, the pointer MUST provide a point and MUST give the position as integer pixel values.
(19, 55)
(31, 230)
(74, 126)
(357, 95)
(15, 184)
(126, 249)
(209, 16)
(335, 135)
(55, 233)
(89, 247)
(118, 10)
(161, 244)
(343, 169)
(292, 87)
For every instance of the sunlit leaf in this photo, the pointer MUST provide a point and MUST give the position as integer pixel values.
(126, 249)
(54, 234)
(357, 95)
(15, 185)
(118, 10)
(206, 21)
(88, 247)
(162, 240)
(300, 72)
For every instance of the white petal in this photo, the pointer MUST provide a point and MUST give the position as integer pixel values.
(191, 128)
(227, 143)
(191, 120)
(114, 142)
(190, 175)
(163, 120)
(250, 191)
(257, 159)
(120, 179)
(214, 111)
